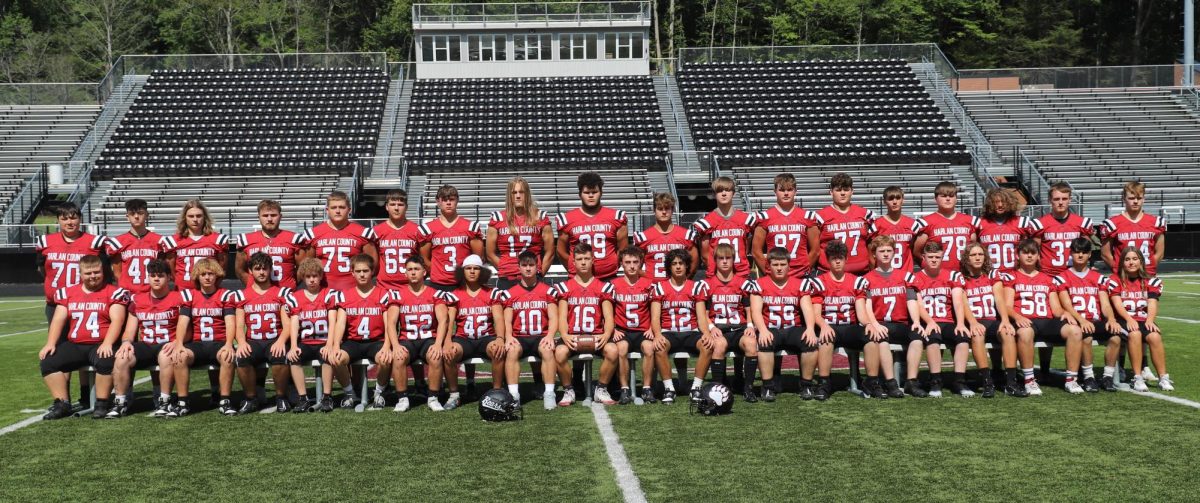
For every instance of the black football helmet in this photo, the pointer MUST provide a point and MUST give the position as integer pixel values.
(499, 405)
(715, 400)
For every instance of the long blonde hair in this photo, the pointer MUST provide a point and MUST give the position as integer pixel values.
(510, 207)
(1141, 272)
(181, 228)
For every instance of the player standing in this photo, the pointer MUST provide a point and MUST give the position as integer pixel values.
(1001, 228)
(194, 240)
(787, 226)
(1134, 228)
(848, 223)
(664, 236)
(132, 251)
(603, 229)
(1058, 229)
(725, 225)
(284, 247)
(337, 239)
(448, 239)
(59, 254)
(951, 229)
(520, 227)
(897, 226)
(397, 240)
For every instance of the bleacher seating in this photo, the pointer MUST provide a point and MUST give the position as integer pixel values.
(801, 113)
(250, 121)
(33, 134)
(231, 200)
(555, 191)
(534, 123)
(812, 186)
(1098, 139)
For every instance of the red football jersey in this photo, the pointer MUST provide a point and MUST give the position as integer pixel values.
(735, 229)
(679, 304)
(600, 231)
(365, 313)
(473, 315)
(158, 317)
(189, 249)
(395, 246)
(936, 293)
(657, 243)
(835, 299)
(510, 244)
(262, 312)
(282, 248)
(890, 294)
(781, 304)
(727, 301)
(952, 232)
(530, 318)
(631, 303)
(449, 246)
(208, 314)
(1056, 239)
(1032, 294)
(134, 253)
(335, 247)
(1142, 234)
(89, 319)
(418, 319)
(853, 227)
(62, 259)
(790, 230)
(904, 233)
(585, 314)
(981, 296)
(1000, 239)
(313, 313)
(1084, 290)
(1135, 295)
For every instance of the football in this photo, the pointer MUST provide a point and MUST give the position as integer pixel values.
(585, 344)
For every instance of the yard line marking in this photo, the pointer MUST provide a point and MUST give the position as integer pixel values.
(1186, 293)
(19, 309)
(1183, 320)
(31, 420)
(21, 301)
(43, 329)
(1160, 396)
(626, 479)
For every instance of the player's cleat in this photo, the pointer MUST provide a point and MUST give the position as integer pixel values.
(401, 404)
(823, 391)
(119, 409)
(282, 404)
(748, 394)
(1148, 374)
(1139, 384)
(249, 406)
(225, 408)
(378, 403)
(1015, 388)
(914, 389)
(434, 404)
(988, 390)
(1073, 388)
(568, 397)
(548, 401)
(872, 388)
(602, 395)
(935, 386)
(163, 408)
(179, 409)
(452, 402)
(626, 397)
(326, 404)
(893, 389)
(58, 410)
(1107, 384)
(806, 390)
(694, 395)
(306, 404)
(1090, 386)
(100, 410)
(958, 388)
(668, 397)
(1032, 388)
(1165, 384)
(349, 402)
(768, 394)
(648, 395)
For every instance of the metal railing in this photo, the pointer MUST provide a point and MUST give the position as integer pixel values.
(663, 66)
(115, 102)
(940, 74)
(1191, 97)
(82, 193)
(1031, 177)
(144, 64)
(27, 199)
(913, 53)
(65, 93)
(675, 111)
(548, 12)
(989, 79)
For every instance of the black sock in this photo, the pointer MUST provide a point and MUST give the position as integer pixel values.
(986, 375)
(224, 397)
(402, 394)
(749, 368)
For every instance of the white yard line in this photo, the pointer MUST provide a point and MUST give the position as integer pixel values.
(1181, 320)
(43, 329)
(31, 420)
(1160, 396)
(626, 479)
(20, 309)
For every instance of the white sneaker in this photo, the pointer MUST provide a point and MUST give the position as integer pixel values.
(548, 400)
(516, 397)
(401, 405)
(1165, 384)
(1139, 384)
(453, 401)
(434, 404)
(966, 392)
(1073, 387)
(603, 397)
(568, 398)
(379, 402)
(1033, 389)
(1148, 374)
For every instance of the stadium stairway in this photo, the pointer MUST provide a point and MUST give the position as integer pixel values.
(34, 134)
(110, 118)
(385, 171)
(679, 132)
(947, 102)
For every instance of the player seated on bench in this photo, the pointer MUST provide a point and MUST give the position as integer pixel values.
(585, 309)
(1083, 293)
(776, 308)
(1038, 316)
(316, 315)
(1135, 295)
(940, 291)
(679, 314)
(154, 336)
(530, 320)
(365, 336)
(838, 300)
(987, 319)
(262, 337)
(207, 316)
(476, 313)
(631, 308)
(730, 329)
(420, 315)
(890, 306)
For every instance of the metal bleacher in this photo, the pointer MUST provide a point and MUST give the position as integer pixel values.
(33, 134)
(482, 192)
(812, 185)
(1098, 139)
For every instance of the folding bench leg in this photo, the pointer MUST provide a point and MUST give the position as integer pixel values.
(320, 386)
(88, 375)
(1044, 356)
(362, 389)
(681, 372)
(470, 371)
(587, 382)
(900, 366)
(852, 356)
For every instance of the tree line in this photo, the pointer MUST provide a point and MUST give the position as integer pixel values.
(78, 40)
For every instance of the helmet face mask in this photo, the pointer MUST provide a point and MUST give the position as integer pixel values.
(498, 405)
(715, 399)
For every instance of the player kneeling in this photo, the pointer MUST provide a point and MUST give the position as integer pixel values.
(474, 310)
(730, 329)
(420, 313)
(1038, 315)
(530, 320)
(209, 315)
(585, 311)
(154, 322)
(318, 323)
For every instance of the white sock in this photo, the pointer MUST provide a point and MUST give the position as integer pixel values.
(549, 388)
(697, 382)
(1028, 373)
(1164, 376)
(512, 389)
(669, 385)
(454, 395)
(120, 398)
(379, 388)
(1071, 376)
(1109, 371)
(1088, 372)
(163, 397)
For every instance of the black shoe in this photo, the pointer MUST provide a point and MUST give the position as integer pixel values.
(935, 387)
(957, 387)
(118, 410)
(768, 394)
(282, 404)
(180, 409)
(1107, 384)
(648, 395)
(225, 407)
(626, 397)
(748, 394)
(1090, 386)
(806, 390)
(988, 390)
(694, 395)
(326, 404)
(58, 410)
(306, 404)
(914, 389)
(893, 389)
(872, 388)
(101, 409)
(823, 391)
(163, 408)
(668, 397)
(249, 406)
(1016, 389)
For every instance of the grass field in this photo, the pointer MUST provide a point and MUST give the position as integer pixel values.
(1114, 446)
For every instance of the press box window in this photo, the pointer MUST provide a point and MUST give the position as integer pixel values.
(577, 46)
(486, 47)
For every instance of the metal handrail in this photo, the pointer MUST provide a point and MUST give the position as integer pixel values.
(81, 194)
(675, 112)
(979, 146)
(510, 13)
(1027, 171)
(27, 199)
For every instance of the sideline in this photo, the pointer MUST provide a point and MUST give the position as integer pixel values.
(1160, 396)
(631, 488)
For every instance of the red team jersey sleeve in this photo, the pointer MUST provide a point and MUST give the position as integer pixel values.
(1000, 239)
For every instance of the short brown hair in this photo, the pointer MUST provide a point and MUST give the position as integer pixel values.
(1135, 188)
(723, 249)
(337, 195)
(90, 261)
(932, 246)
(633, 251)
(1063, 187)
(581, 247)
(269, 204)
(723, 183)
(362, 258)
(662, 199)
(891, 191)
(397, 195)
(447, 192)
(778, 253)
(881, 240)
(945, 188)
(841, 181)
(784, 181)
